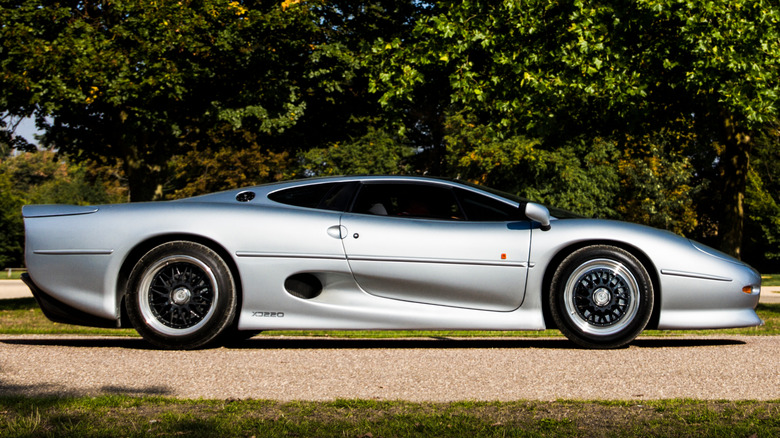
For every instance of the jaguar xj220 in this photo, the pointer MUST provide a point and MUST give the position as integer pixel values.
(373, 253)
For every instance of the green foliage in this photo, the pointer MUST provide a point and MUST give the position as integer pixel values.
(43, 178)
(206, 171)
(558, 71)
(11, 226)
(577, 176)
(543, 63)
(374, 153)
(137, 82)
(658, 184)
(8, 140)
(762, 205)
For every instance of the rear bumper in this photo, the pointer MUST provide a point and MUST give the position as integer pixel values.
(60, 312)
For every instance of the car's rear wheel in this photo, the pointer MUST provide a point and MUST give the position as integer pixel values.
(601, 297)
(181, 295)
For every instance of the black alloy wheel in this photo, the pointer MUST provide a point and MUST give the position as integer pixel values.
(181, 295)
(601, 297)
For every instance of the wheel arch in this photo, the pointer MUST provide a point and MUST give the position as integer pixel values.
(134, 255)
(633, 250)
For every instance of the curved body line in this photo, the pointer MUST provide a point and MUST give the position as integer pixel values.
(74, 251)
(282, 255)
(443, 261)
(694, 275)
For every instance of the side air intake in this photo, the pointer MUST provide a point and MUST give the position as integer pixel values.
(306, 286)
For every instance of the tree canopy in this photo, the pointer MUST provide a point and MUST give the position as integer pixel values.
(138, 82)
(663, 112)
(560, 70)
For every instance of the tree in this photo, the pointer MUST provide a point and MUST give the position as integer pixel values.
(136, 82)
(377, 152)
(139, 82)
(578, 176)
(658, 182)
(206, 171)
(560, 70)
(11, 226)
(8, 140)
(762, 204)
(44, 178)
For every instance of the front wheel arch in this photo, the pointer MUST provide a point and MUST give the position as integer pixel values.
(549, 322)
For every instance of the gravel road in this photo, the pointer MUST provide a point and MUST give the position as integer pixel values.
(713, 367)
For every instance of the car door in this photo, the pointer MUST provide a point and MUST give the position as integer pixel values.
(415, 242)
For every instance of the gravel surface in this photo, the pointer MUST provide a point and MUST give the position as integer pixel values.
(713, 367)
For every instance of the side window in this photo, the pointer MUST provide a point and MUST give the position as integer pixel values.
(408, 200)
(327, 196)
(481, 208)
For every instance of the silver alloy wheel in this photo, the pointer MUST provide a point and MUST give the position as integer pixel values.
(601, 297)
(177, 295)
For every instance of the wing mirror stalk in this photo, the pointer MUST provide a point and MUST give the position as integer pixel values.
(538, 213)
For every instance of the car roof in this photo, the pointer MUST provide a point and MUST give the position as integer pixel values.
(261, 192)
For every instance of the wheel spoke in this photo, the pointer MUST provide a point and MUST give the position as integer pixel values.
(609, 308)
(601, 296)
(175, 290)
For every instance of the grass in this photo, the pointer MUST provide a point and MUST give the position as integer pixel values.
(15, 275)
(23, 316)
(770, 279)
(152, 416)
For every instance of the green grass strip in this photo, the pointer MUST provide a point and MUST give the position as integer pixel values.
(770, 279)
(131, 417)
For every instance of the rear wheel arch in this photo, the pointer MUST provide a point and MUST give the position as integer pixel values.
(181, 295)
(147, 245)
(634, 251)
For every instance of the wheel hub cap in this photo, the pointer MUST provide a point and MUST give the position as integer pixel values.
(181, 296)
(601, 297)
(180, 293)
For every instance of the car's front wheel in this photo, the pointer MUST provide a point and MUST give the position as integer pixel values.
(181, 295)
(601, 297)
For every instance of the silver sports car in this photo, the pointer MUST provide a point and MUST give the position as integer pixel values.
(377, 253)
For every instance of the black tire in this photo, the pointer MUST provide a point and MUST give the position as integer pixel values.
(181, 296)
(601, 297)
(233, 336)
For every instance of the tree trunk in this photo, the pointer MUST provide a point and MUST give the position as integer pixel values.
(734, 163)
(144, 180)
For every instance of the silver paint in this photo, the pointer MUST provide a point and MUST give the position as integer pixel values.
(397, 273)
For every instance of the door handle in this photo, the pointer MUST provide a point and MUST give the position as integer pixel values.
(337, 231)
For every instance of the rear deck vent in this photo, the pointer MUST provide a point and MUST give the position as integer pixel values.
(245, 196)
(306, 286)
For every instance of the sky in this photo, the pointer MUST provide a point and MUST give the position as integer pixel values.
(27, 129)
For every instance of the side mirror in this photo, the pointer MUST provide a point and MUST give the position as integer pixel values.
(538, 213)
